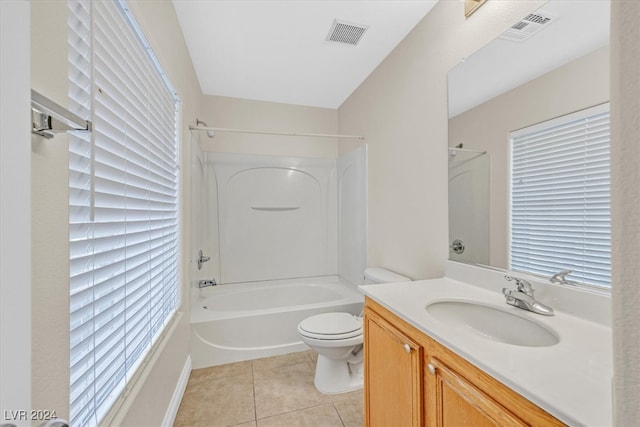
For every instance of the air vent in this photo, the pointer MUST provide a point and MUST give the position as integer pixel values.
(347, 33)
(527, 27)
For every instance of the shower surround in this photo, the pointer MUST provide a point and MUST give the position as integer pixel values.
(287, 236)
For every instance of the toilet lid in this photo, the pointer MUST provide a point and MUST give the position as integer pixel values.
(331, 326)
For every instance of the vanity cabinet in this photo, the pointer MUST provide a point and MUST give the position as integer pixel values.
(459, 402)
(393, 374)
(412, 380)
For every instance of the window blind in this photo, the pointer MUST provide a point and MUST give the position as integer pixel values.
(560, 197)
(123, 181)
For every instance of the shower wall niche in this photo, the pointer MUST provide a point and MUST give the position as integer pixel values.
(275, 217)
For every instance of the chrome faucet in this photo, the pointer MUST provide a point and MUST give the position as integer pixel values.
(522, 297)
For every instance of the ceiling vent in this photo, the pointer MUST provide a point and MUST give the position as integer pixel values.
(527, 27)
(345, 32)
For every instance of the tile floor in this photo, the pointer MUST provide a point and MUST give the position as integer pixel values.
(274, 391)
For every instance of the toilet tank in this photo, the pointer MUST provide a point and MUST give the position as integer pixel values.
(380, 275)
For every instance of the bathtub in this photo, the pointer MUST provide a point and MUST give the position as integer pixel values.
(244, 321)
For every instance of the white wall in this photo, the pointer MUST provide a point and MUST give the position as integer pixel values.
(625, 158)
(15, 225)
(50, 218)
(224, 112)
(401, 108)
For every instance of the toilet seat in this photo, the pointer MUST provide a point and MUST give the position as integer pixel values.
(331, 326)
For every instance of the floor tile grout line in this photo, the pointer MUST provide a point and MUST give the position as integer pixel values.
(335, 408)
(253, 387)
(298, 410)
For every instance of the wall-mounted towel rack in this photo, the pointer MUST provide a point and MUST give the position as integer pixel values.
(49, 118)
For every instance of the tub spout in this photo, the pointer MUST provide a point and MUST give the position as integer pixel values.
(205, 283)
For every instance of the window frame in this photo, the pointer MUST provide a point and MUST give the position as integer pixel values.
(83, 165)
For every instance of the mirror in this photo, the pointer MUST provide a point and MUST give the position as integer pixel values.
(553, 62)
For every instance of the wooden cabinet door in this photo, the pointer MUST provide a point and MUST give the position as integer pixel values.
(456, 402)
(393, 376)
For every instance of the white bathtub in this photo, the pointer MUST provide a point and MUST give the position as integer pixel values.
(243, 321)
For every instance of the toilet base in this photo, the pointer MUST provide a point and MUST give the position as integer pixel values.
(337, 376)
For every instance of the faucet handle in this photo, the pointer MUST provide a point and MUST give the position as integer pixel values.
(560, 278)
(521, 284)
(201, 259)
(523, 298)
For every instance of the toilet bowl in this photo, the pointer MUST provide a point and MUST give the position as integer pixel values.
(337, 338)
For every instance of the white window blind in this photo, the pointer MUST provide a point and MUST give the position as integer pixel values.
(123, 181)
(560, 197)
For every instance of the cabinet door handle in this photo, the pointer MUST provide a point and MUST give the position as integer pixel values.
(431, 368)
(407, 348)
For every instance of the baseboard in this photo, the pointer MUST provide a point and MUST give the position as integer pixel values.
(174, 405)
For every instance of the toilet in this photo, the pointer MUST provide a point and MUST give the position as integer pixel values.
(337, 338)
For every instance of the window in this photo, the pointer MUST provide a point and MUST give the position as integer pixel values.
(123, 204)
(560, 197)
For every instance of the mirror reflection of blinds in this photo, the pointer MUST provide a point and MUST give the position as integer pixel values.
(123, 206)
(561, 197)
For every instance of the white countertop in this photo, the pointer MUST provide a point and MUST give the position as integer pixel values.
(571, 380)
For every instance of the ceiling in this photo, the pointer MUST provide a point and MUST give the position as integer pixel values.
(278, 50)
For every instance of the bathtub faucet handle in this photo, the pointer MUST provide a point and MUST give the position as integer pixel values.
(202, 259)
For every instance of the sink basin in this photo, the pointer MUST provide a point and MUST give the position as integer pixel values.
(493, 323)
